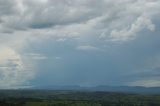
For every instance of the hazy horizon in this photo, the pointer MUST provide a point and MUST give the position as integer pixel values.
(79, 42)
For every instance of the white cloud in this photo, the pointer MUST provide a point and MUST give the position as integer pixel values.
(114, 20)
(35, 56)
(87, 48)
(146, 83)
(61, 40)
(130, 32)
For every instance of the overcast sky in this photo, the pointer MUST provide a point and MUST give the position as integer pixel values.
(79, 42)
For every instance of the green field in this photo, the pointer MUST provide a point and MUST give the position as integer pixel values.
(75, 98)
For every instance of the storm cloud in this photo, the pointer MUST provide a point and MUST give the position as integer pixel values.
(80, 42)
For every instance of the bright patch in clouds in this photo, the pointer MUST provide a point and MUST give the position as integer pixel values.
(13, 72)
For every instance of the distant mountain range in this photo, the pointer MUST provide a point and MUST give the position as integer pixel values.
(125, 89)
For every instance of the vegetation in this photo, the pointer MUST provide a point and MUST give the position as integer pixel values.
(75, 98)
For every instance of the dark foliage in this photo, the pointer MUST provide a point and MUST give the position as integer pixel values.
(74, 98)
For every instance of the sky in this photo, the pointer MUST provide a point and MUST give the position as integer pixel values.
(79, 42)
